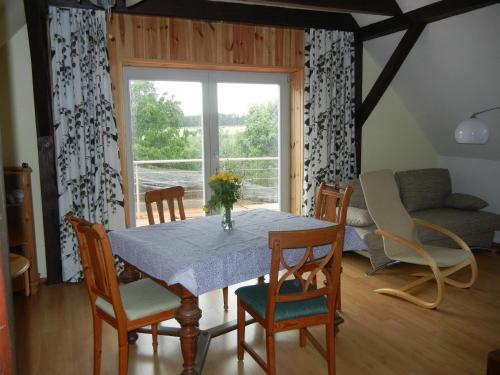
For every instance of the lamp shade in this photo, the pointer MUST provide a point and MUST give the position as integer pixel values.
(472, 131)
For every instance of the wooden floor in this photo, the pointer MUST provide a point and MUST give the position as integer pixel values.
(381, 335)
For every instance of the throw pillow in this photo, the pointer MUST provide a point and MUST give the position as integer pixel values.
(464, 202)
(358, 217)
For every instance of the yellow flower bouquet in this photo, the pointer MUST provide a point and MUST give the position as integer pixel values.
(226, 190)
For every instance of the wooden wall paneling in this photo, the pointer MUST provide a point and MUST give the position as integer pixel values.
(138, 37)
(225, 43)
(179, 40)
(296, 141)
(151, 38)
(244, 40)
(279, 46)
(163, 31)
(205, 38)
(297, 48)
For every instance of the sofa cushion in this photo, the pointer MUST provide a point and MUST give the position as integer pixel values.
(461, 222)
(358, 217)
(422, 189)
(357, 197)
(464, 202)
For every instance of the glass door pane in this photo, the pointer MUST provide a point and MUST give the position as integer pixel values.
(248, 131)
(167, 141)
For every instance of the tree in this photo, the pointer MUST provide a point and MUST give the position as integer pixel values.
(260, 137)
(156, 121)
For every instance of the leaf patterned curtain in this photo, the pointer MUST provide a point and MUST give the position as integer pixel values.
(329, 134)
(88, 165)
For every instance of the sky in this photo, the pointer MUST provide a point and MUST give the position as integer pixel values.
(231, 97)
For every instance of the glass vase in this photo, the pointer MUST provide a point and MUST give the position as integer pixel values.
(227, 222)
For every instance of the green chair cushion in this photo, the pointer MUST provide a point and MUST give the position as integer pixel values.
(142, 298)
(255, 296)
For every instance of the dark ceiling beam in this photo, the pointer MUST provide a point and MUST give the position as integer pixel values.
(430, 13)
(36, 21)
(379, 7)
(229, 12)
(389, 72)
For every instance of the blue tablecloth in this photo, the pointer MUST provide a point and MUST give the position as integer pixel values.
(202, 257)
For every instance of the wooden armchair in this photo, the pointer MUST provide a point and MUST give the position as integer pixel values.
(126, 307)
(284, 304)
(332, 203)
(401, 242)
(169, 195)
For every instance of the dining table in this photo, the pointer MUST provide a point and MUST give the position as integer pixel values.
(196, 256)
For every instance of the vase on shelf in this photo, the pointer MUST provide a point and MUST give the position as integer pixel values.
(227, 222)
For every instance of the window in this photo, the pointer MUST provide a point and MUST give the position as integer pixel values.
(185, 125)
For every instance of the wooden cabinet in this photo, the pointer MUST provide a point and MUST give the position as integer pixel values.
(21, 228)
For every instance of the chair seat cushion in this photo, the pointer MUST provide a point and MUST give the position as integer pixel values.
(444, 257)
(142, 298)
(255, 296)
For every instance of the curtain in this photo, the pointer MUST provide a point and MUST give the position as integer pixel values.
(329, 134)
(86, 139)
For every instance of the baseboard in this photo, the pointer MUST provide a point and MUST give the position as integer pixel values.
(43, 280)
(495, 246)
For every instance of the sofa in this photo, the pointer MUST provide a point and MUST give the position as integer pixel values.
(427, 195)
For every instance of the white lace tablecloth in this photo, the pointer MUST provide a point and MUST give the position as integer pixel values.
(202, 257)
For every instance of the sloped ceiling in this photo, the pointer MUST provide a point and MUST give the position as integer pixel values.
(11, 18)
(452, 72)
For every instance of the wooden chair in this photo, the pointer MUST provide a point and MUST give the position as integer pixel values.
(170, 194)
(159, 196)
(20, 265)
(283, 304)
(332, 203)
(125, 307)
(401, 242)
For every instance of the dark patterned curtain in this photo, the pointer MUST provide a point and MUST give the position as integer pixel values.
(86, 140)
(329, 138)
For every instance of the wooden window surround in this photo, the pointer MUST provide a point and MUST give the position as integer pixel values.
(160, 42)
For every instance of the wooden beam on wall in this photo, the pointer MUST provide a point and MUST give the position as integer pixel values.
(214, 11)
(389, 72)
(358, 100)
(380, 7)
(36, 20)
(430, 13)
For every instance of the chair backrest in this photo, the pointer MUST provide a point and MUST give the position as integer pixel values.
(98, 263)
(161, 195)
(301, 244)
(385, 207)
(332, 203)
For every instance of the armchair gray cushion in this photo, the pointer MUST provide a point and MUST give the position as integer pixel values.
(464, 202)
(422, 189)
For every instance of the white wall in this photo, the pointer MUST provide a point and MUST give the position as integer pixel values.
(392, 138)
(17, 123)
(478, 177)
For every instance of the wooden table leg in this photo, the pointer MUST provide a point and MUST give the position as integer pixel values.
(188, 315)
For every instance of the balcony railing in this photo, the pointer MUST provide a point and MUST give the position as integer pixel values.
(260, 179)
